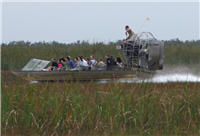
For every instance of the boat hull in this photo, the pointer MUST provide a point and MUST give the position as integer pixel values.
(72, 75)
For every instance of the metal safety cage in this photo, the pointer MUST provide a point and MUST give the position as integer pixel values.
(134, 51)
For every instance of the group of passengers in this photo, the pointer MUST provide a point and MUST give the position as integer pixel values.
(80, 63)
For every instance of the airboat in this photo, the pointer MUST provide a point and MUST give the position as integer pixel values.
(144, 54)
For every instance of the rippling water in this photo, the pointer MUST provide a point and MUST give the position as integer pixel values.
(164, 78)
(169, 74)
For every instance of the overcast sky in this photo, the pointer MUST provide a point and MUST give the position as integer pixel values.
(69, 22)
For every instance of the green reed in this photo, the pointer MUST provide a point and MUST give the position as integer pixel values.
(101, 109)
(14, 57)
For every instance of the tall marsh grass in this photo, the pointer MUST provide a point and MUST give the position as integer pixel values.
(182, 55)
(15, 56)
(96, 109)
(103, 109)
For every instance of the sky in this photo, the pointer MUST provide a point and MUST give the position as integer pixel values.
(98, 22)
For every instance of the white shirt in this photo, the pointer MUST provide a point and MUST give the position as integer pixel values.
(94, 62)
(84, 63)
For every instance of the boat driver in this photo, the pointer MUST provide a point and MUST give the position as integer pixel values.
(130, 34)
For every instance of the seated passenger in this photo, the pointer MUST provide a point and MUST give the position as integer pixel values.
(76, 64)
(60, 65)
(109, 62)
(63, 62)
(83, 63)
(101, 65)
(54, 65)
(89, 64)
(112, 61)
(119, 62)
(70, 62)
(93, 62)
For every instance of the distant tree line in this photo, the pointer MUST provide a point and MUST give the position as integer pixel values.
(55, 43)
(179, 42)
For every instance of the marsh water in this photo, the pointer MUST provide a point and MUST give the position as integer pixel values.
(168, 74)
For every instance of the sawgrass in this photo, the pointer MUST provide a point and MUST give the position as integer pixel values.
(100, 109)
(15, 56)
(96, 109)
(182, 54)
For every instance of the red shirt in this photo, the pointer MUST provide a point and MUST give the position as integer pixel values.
(60, 65)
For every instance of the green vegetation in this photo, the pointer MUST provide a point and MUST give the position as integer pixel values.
(103, 109)
(16, 54)
(182, 55)
(88, 108)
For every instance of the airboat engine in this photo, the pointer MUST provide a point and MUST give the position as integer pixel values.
(144, 51)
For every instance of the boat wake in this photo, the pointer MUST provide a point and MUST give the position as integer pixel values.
(165, 78)
(169, 74)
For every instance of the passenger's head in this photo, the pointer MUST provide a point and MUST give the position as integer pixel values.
(76, 59)
(81, 58)
(126, 27)
(100, 60)
(91, 57)
(62, 60)
(53, 60)
(59, 61)
(68, 58)
(88, 59)
(107, 56)
(119, 60)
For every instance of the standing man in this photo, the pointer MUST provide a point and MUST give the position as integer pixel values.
(129, 47)
(130, 34)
